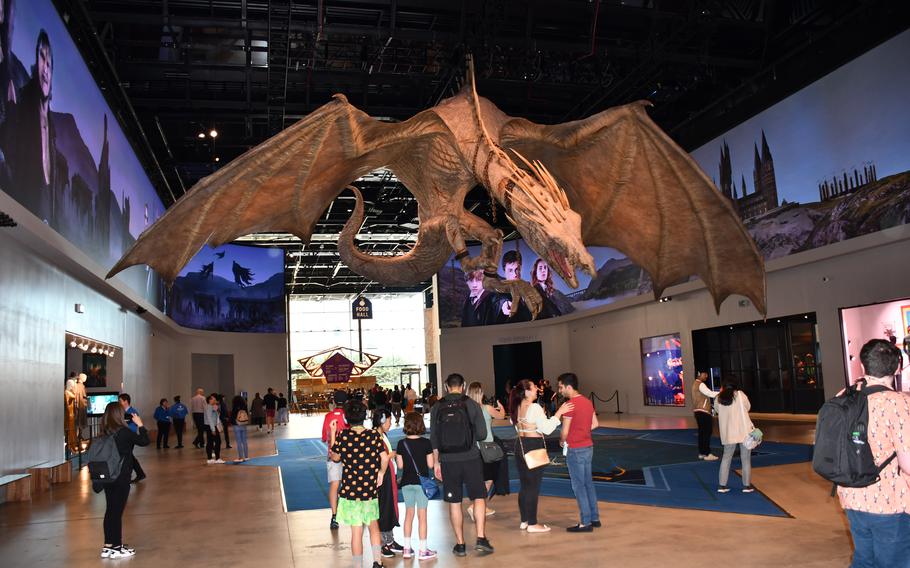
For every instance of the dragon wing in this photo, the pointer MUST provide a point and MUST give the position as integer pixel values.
(640, 193)
(286, 183)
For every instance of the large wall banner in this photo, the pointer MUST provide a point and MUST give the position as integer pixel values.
(829, 163)
(231, 288)
(63, 154)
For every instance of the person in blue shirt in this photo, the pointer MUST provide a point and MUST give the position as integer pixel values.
(178, 414)
(128, 412)
(163, 418)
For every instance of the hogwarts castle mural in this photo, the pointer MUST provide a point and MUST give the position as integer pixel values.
(827, 164)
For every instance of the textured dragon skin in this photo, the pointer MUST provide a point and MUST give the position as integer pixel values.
(614, 179)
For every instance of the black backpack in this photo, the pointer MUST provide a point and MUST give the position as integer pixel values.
(456, 434)
(104, 459)
(842, 454)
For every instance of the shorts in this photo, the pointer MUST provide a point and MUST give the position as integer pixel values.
(270, 413)
(357, 513)
(414, 497)
(491, 470)
(334, 470)
(458, 474)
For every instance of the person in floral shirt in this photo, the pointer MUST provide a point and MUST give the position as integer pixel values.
(879, 514)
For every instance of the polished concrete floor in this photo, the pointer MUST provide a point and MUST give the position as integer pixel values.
(191, 514)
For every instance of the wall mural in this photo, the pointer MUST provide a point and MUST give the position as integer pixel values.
(662, 371)
(62, 153)
(827, 164)
(231, 288)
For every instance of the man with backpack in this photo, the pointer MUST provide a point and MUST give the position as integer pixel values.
(873, 486)
(456, 423)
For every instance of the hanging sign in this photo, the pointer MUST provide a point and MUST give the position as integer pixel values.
(337, 369)
(362, 309)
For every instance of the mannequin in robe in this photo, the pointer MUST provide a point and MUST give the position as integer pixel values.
(81, 404)
(69, 415)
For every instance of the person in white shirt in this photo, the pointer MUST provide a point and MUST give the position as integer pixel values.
(532, 425)
(734, 424)
(197, 407)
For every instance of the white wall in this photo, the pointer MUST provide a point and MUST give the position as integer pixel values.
(42, 277)
(602, 345)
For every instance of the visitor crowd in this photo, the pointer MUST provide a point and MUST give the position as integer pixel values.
(366, 471)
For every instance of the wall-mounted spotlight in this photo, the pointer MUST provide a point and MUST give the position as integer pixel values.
(200, 135)
(73, 343)
(94, 349)
(665, 299)
(213, 133)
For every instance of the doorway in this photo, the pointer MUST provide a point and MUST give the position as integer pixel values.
(214, 373)
(514, 362)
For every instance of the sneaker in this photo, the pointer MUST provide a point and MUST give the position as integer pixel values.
(386, 552)
(710, 458)
(106, 551)
(748, 489)
(425, 555)
(723, 489)
(121, 552)
(209, 461)
(523, 526)
(396, 548)
(333, 525)
(483, 545)
(595, 524)
(408, 553)
(460, 550)
(219, 461)
(580, 528)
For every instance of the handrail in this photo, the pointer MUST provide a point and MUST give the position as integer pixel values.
(614, 395)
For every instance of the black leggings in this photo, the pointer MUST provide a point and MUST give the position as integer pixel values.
(227, 437)
(705, 426)
(116, 495)
(530, 480)
(212, 443)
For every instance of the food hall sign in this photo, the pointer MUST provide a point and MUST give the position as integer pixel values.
(362, 309)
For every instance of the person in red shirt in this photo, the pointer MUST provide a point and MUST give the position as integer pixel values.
(576, 437)
(334, 469)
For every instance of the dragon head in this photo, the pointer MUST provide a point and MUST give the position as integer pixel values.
(539, 209)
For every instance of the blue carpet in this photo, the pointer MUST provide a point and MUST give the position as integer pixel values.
(638, 467)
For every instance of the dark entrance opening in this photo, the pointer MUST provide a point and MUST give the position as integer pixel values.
(776, 362)
(514, 362)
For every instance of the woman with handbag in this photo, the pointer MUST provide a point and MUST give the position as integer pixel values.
(490, 450)
(531, 455)
(414, 456)
(735, 426)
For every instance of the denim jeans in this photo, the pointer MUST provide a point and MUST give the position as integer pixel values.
(243, 450)
(579, 462)
(879, 541)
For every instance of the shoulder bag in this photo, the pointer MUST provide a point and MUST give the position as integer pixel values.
(533, 458)
(428, 484)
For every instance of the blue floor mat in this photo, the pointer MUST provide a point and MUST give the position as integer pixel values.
(639, 467)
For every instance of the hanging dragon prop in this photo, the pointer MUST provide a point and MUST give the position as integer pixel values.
(613, 180)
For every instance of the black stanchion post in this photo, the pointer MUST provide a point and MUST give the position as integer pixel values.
(616, 394)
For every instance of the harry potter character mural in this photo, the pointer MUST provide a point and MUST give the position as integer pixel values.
(61, 157)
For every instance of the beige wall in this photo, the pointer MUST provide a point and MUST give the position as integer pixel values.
(602, 345)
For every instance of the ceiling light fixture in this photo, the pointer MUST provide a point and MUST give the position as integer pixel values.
(213, 133)
(200, 135)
